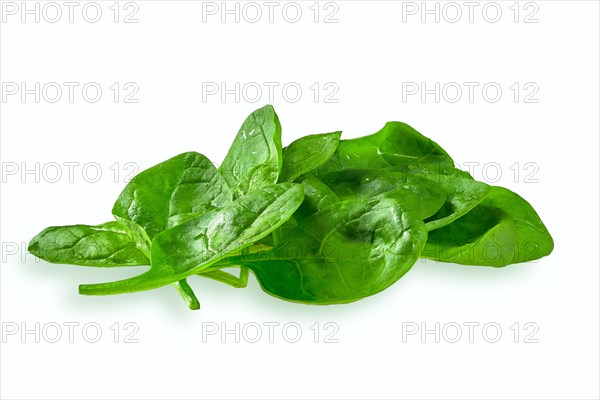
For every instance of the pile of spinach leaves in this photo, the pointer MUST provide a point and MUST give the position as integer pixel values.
(321, 221)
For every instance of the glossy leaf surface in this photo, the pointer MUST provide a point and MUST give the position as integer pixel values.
(106, 245)
(395, 144)
(170, 192)
(503, 229)
(194, 245)
(416, 194)
(306, 154)
(343, 253)
(254, 158)
(363, 212)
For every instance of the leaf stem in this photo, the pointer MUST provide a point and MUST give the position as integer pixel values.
(276, 237)
(228, 278)
(187, 294)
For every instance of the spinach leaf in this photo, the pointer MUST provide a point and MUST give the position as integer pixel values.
(502, 229)
(395, 144)
(166, 195)
(341, 254)
(416, 194)
(462, 196)
(366, 209)
(107, 245)
(317, 196)
(307, 153)
(170, 192)
(254, 158)
(194, 245)
(463, 192)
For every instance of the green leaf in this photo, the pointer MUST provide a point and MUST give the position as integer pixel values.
(416, 194)
(396, 144)
(171, 192)
(462, 196)
(365, 211)
(502, 229)
(254, 158)
(307, 153)
(343, 253)
(106, 245)
(194, 245)
(463, 192)
(166, 195)
(317, 196)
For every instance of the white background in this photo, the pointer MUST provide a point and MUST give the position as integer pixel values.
(368, 55)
